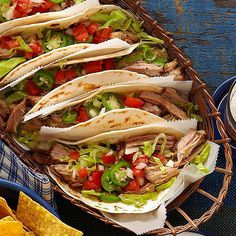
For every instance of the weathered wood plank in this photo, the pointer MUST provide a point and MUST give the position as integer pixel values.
(206, 30)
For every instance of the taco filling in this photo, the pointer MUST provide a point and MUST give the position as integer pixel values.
(133, 171)
(13, 9)
(100, 27)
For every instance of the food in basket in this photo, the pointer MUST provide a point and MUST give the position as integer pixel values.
(31, 219)
(95, 26)
(122, 171)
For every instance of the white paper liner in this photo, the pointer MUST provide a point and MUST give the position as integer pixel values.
(42, 17)
(138, 223)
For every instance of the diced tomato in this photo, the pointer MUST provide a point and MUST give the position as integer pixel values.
(89, 185)
(83, 173)
(133, 186)
(141, 159)
(36, 50)
(92, 27)
(32, 88)
(82, 115)
(161, 157)
(138, 172)
(96, 178)
(36, 47)
(133, 102)
(70, 74)
(129, 157)
(60, 77)
(102, 35)
(74, 155)
(92, 67)
(80, 33)
(42, 8)
(22, 8)
(109, 64)
(8, 43)
(108, 159)
(48, 4)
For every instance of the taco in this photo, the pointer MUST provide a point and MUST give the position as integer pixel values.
(100, 110)
(17, 101)
(94, 25)
(15, 13)
(128, 171)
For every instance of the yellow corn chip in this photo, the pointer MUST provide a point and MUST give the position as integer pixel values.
(11, 228)
(9, 218)
(5, 210)
(40, 221)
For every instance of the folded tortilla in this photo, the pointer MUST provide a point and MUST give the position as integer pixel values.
(43, 17)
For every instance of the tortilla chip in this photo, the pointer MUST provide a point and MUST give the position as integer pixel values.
(9, 218)
(10, 228)
(5, 210)
(40, 221)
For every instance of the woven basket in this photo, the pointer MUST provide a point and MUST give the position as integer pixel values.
(200, 96)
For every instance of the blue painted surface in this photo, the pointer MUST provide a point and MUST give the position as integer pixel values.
(206, 30)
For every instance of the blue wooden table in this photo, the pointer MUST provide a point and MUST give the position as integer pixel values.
(206, 30)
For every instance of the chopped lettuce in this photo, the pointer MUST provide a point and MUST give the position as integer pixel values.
(203, 155)
(202, 168)
(138, 200)
(146, 37)
(166, 185)
(148, 148)
(29, 138)
(91, 193)
(190, 108)
(23, 45)
(199, 160)
(7, 65)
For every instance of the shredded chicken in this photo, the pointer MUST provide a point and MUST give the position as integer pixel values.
(138, 141)
(149, 187)
(142, 67)
(129, 37)
(62, 171)
(188, 143)
(157, 176)
(147, 106)
(58, 151)
(155, 98)
(42, 158)
(16, 117)
(171, 94)
(33, 99)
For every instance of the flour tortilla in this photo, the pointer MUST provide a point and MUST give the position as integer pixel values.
(76, 51)
(109, 121)
(80, 87)
(43, 17)
(60, 24)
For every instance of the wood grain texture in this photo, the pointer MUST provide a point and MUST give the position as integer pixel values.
(205, 30)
